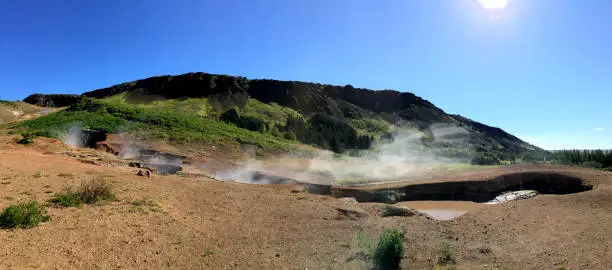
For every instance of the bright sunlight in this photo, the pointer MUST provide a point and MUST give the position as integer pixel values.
(494, 4)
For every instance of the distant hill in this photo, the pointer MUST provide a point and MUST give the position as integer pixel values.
(11, 111)
(334, 117)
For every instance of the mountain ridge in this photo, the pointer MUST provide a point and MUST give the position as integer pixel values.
(341, 102)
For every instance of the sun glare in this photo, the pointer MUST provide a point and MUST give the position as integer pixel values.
(494, 4)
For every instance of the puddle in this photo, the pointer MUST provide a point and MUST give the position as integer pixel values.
(443, 210)
(443, 214)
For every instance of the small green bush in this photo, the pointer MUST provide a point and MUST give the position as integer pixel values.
(91, 192)
(67, 199)
(96, 190)
(27, 138)
(289, 136)
(445, 254)
(24, 215)
(389, 250)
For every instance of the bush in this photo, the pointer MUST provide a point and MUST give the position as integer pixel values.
(24, 215)
(289, 136)
(91, 192)
(445, 254)
(389, 250)
(27, 138)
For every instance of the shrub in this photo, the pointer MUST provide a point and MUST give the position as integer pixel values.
(96, 190)
(24, 215)
(67, 199)
(445, 254)
(91, 192)
(389, 250)
(289, 136)
(27, 138)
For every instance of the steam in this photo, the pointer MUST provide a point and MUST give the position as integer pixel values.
(125, 147)
(73, 137)
(404, 157)
(253, 173)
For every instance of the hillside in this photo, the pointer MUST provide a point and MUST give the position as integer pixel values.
(333, 117)
(11, 111)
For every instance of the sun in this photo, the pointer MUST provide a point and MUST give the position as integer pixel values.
(494, 4)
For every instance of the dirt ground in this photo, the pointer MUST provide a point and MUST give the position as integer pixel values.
(201, 223)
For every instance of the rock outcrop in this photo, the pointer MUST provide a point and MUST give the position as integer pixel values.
(52, 100)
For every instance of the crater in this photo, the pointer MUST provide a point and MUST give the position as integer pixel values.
(480, 191)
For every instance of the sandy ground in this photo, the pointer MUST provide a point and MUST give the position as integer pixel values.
(208, 224)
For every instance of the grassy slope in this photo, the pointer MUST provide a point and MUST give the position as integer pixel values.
(192, 120)
(164, 122)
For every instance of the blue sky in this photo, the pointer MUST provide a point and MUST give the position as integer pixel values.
(541, 71)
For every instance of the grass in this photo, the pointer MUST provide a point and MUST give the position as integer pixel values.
(23, 215)
(95, 191)
(147, 122)
(370, 126)
(146, 201)
(388, 251)
(138, 205)
(270, 113)
(445, 254)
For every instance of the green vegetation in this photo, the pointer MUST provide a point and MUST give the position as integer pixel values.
(27, 138)
(196, 106)
(446, 254)
(175, 126)
(268, 126)
(269, 113)
(23, 215)
(95, 191)
(598, 159)
(139, 205)
(388, 251)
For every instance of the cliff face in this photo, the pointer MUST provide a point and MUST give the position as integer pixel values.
(344, 102)
(308, 98)
(54, 100)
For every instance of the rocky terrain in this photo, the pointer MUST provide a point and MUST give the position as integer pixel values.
(198, 222)
(202, 171)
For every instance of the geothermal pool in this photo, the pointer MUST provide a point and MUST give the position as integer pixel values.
(443, 210)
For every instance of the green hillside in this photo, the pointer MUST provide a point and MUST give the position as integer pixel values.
(219, 109)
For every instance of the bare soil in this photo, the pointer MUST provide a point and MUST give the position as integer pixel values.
(200, 223)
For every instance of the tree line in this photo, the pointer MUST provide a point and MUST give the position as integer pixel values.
(322, 130)
(587, 158)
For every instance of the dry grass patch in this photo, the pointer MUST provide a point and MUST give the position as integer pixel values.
(91, 192)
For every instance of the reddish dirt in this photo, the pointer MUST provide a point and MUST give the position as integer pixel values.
(207, 224)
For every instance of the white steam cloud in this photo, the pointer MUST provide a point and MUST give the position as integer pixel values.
(73, 137)
(405, 157)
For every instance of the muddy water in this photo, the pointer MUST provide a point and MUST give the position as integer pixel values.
(443, 210)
